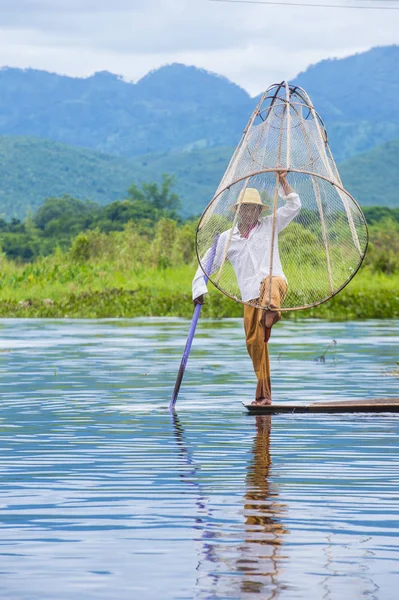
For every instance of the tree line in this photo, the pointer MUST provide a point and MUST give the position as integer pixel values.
(59, 220)
(148, 226)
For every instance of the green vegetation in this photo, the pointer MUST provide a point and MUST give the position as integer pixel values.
(137, 258)
(33, 169)
(59, 220)
(373, 177)
(56, 288)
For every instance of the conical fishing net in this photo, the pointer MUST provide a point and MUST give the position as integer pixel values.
(315, 238)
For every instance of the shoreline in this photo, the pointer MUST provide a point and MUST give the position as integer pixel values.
(349, 304)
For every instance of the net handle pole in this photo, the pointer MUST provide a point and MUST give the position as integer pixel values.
(275, 203)
(333, 177)
(193, 326)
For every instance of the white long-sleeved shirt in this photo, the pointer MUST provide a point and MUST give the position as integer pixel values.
(250, 257)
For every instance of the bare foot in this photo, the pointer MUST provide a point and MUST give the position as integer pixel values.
(262, 402)
(269, 319)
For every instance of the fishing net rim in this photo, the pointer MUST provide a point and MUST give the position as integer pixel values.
(283, 170)
(305, 306)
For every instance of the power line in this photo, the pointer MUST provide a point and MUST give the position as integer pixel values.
(377, 1)
(275, 3)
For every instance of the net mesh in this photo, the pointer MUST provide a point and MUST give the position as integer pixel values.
(315, 243)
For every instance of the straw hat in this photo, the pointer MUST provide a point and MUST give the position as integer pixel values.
(249, 196)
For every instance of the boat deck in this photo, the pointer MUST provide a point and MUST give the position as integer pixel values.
(338, 406)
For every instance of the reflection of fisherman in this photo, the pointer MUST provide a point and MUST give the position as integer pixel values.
(260, 555)
(251, 565)
(249, 254)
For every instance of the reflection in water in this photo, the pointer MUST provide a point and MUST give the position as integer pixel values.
(260, 553)
(189, 474)
(251, 564)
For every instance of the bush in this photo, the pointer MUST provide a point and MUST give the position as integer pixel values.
(383, 253)
(80, 249)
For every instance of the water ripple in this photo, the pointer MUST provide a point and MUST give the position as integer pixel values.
(106, 495)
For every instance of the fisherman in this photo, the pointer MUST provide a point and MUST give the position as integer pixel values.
(249, 254)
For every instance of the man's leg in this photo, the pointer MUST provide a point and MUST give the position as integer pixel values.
(278, 293)
(259, 353)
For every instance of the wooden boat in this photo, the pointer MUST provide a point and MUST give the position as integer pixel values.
(337, 406)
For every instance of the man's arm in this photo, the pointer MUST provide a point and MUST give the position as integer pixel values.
(286, 213)
(199, 287)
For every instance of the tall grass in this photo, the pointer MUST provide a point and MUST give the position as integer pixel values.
(124, 274)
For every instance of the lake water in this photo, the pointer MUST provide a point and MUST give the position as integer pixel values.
(106, 495)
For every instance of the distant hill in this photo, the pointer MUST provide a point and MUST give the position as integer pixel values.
(180, 108)
(373, 177)
(174, 108)
(356, 97)
(361, 87)
(33, 169)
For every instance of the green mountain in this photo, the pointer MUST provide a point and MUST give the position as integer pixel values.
(34, 169)
(361, 87)
(173, 108)
(179, 108)
(356, 98)
(373, 177)
(197, 174)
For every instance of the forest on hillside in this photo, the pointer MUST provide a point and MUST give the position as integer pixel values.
(33, 169)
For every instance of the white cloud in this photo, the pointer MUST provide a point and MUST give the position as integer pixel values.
(251, 44)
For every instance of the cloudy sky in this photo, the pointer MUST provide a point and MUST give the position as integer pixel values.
(253, 44)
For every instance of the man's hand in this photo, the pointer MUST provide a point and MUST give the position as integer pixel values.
(199, 300)
(282, 179)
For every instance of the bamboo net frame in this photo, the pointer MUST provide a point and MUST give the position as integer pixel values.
(316, 244)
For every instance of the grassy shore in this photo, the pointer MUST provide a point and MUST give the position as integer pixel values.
(54, 288)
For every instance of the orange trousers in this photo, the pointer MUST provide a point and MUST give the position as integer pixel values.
(254, 334)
